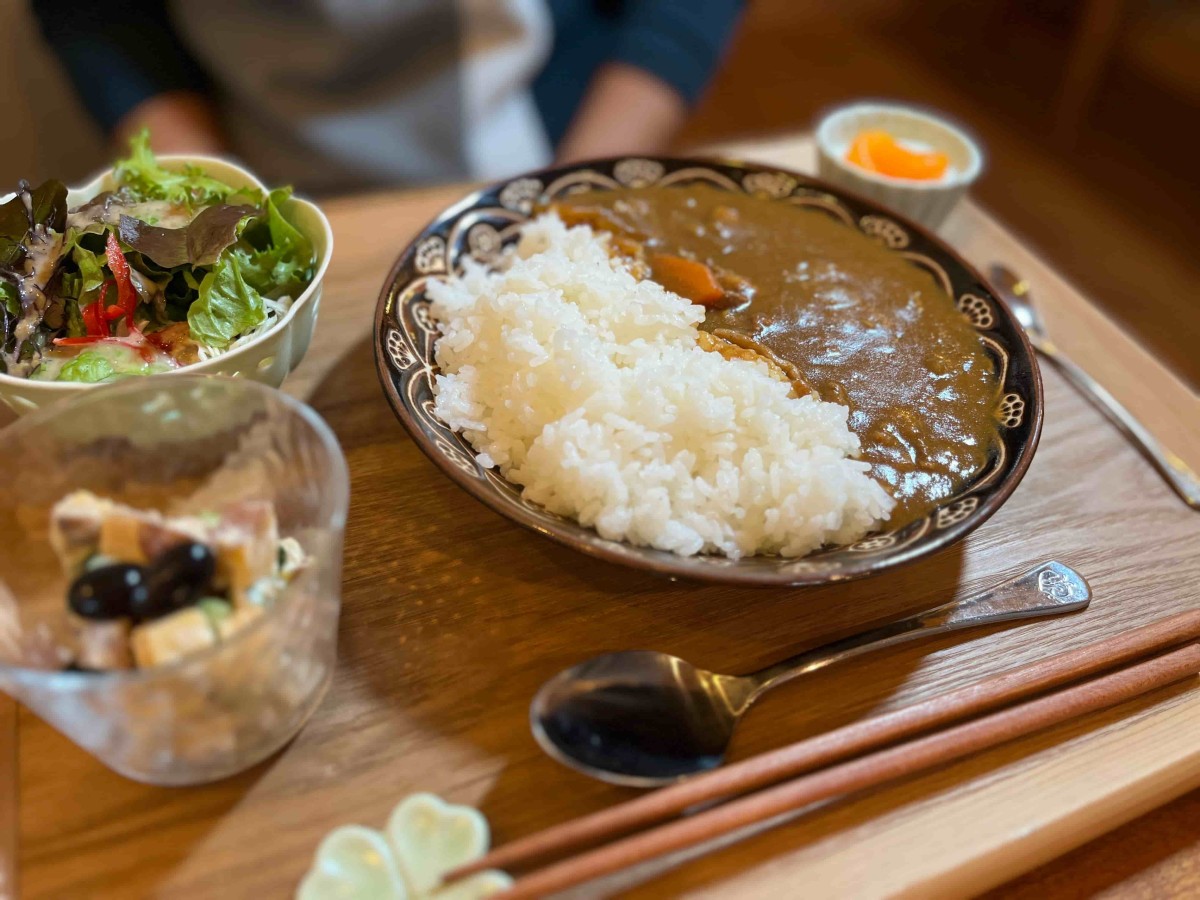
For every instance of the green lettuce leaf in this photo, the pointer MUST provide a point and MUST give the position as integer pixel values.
(189, 278)
(88, 367)
(75, 326)
(48, 205)
(14, 226)
(273, 272)
(279, 262)
(103, 361)
(147, 180)
(227, 305)
(91, 273)
(69, 284)
(10, 299)
(284, 234)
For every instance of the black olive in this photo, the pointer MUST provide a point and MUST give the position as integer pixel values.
(108, 592)
(178, 578)
(147, 606)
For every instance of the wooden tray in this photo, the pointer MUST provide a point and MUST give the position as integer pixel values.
(453, 617)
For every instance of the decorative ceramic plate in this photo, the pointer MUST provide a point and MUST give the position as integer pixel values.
(481, 224)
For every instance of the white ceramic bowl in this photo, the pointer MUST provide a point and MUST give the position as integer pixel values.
(927, 202)
(267, 358)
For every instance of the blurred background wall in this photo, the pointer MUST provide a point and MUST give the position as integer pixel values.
(1088, 110)
(45, 130)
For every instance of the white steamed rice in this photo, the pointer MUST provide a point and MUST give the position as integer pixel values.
(586, 387)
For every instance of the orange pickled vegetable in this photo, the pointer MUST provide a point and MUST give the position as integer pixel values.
(878, 151)
(687, 278)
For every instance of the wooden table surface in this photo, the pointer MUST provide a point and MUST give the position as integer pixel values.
(452, 617)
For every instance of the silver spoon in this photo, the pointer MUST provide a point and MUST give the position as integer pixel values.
(645, 719)
(1174, 470)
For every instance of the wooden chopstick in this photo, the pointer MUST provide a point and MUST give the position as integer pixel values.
(866, 772)
(841, 744)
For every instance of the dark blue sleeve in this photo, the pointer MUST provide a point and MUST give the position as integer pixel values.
(680, 41)
(117, 53)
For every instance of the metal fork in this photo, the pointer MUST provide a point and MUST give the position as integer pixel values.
(1174, 470)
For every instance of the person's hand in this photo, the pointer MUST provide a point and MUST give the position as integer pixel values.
(626, 110)
(179, 122)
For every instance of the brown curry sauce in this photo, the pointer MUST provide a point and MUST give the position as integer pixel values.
(856, 323)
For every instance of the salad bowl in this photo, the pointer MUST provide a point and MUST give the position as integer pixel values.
(267, 357)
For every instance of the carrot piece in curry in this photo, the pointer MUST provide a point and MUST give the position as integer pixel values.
(687, 278)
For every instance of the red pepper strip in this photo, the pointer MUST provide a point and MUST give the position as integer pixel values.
(94, 315)
(126, 292)
(71, 342)
(114, 312)
(92, 319)
(135, 341)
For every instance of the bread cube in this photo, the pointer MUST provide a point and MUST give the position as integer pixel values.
(172, 637)
(246, 543)
(75, 525)
(102, 644)
(137, 536)
(239, 619)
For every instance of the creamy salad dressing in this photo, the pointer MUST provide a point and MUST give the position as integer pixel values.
(123, 359)
(109, 207)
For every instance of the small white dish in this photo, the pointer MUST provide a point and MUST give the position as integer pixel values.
(425, 838)
(927, 202)
(267, 358)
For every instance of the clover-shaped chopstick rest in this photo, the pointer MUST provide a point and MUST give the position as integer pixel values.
(425, 837)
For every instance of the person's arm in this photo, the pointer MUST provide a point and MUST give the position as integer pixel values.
(130, 69)
(179, 122)
(625, 110)
(665, 56)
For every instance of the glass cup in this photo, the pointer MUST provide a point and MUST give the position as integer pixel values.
(187, 444)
